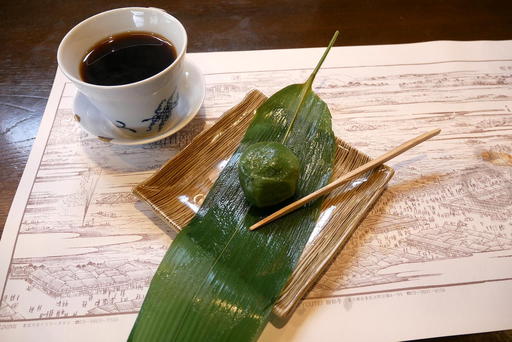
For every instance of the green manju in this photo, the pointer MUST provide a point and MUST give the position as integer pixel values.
(269, 172)
(219, 281)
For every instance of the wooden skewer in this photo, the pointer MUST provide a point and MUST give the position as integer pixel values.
(333, 185)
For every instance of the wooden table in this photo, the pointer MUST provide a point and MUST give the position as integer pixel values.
(30, 32)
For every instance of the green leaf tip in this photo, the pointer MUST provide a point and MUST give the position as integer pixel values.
(321, 61)
(307, 87)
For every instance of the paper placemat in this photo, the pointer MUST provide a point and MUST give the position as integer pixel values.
(433, 257)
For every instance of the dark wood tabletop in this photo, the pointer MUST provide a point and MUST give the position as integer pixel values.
(31, 30)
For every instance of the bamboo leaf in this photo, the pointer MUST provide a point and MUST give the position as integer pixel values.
(218, 281)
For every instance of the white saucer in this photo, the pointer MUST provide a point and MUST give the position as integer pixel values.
(191, 90)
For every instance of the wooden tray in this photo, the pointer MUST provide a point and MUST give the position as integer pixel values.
(177, 190)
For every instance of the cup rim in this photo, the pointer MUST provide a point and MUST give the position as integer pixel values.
(120, 86)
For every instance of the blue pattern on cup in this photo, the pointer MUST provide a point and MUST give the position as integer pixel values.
(163, 112)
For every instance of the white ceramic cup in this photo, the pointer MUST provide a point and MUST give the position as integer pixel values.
(140, 108)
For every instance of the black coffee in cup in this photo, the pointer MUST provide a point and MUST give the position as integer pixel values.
(126, 58)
